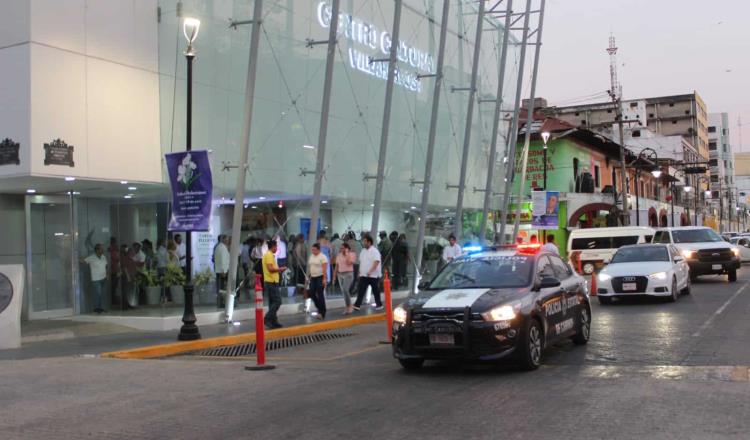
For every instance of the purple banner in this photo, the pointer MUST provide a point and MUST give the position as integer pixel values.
(190, 177)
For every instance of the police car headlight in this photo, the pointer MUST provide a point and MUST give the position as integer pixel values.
(688, 254)
(502, 313)
(604, 277)
(658, 276)
(399, 315)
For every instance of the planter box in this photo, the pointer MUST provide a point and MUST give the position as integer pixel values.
(153, 295)
(178, 294)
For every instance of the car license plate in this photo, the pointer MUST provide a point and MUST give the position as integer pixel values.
(442, 339)
(629, 286)
(716, 267)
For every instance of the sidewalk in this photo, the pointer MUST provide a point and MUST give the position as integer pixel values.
(116, 338)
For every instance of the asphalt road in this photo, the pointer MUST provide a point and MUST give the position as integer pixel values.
(652, 370)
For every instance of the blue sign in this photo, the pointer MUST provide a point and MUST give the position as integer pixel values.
(190, 178)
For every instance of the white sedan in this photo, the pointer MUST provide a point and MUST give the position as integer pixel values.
(645, 269)
(743, 243)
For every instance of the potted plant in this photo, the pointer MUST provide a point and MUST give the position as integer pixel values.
(174, 279)
(149, 280)
(202, 282)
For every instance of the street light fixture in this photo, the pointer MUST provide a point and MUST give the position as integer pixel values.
(647, 158)
(656, 173)
(545, 138)
(687, 188)
(189, 330)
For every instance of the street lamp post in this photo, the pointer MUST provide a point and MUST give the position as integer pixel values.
(189, 330)
(698, 192)
(545, 138)
(648, 157)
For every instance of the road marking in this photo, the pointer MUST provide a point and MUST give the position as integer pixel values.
(718, 312)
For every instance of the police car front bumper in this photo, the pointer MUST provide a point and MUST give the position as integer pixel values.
(442, 335)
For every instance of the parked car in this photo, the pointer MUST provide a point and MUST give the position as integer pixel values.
(647, 269)
(705, 251)
(594, 246)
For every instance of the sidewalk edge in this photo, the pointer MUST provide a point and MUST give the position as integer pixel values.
(164, 350)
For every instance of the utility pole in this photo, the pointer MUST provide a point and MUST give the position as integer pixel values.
(615, 93)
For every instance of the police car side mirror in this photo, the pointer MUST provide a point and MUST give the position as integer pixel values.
(548, 282)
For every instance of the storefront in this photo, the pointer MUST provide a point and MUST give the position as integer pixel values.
(98, 173)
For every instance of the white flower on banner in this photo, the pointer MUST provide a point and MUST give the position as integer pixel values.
(185, 171)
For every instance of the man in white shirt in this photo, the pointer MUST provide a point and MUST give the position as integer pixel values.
(181, 250)
(221, 267)
(452, 251)
(550, 245)
(369, 273)
(280, 250)
(98, 266)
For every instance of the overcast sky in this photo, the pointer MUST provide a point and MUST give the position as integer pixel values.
(665, 47)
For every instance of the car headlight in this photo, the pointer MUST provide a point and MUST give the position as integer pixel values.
(688, 254)
(736, 252)
(399, 315)
(604, 277)
(502, 313)
(658, 276)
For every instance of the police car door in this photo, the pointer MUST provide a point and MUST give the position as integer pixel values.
(549, 299)
(570, 301)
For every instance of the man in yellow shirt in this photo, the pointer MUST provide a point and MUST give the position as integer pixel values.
(271, 272)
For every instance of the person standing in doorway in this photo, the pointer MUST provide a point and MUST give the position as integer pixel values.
(370, 273)
(452, 251)
(98, 266)
(344, 273)
(221, 268)
(385, 247)
(271, 272)
(550, 245)
(317, 270)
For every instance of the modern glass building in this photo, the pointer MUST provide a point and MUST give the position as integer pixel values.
(126, 79)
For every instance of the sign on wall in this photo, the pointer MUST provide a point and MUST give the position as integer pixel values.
(545, 209)
(192, 186)
(9, 152)
(58, 152)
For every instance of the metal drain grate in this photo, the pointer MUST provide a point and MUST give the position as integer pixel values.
(276, 344)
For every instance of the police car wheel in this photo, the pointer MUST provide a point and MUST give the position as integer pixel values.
(604, 300)
(584, 327)
(732, 276)
(411, 364)
(530, 355)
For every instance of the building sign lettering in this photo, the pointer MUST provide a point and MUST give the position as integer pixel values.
(368, 41)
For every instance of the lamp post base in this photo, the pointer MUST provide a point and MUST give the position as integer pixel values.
(189, 331)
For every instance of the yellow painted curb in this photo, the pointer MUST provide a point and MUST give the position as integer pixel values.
(163, 350)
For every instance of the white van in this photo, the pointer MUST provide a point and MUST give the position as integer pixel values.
(594, 246)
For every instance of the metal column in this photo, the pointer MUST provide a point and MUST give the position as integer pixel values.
(323, 131)
(431, 141)
(496, 123)
(242, 169)
(510, 148)
(386, 117)
(529, 119)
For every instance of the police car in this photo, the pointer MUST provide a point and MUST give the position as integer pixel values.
(494, 304)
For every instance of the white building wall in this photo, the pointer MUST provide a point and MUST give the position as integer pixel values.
(84, 71)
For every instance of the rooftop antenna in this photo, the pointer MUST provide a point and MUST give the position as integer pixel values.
(615, 88)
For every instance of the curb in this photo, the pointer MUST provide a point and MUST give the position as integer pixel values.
(175, 348)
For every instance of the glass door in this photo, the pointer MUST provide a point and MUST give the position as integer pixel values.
(49, 256)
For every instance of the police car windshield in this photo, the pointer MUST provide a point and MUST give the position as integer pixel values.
(485, 272)
(695, 236)
(640, 253)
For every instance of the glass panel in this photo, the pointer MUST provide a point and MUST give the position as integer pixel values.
(51, 243)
